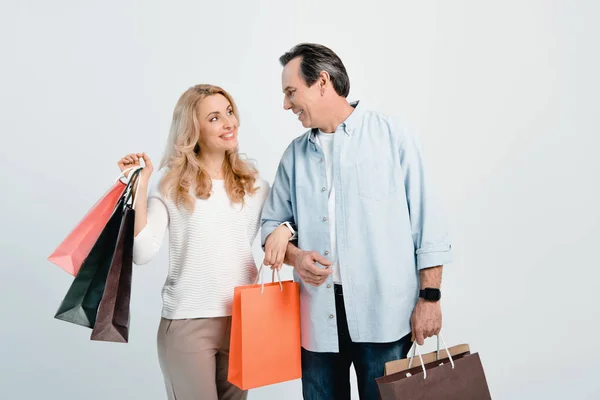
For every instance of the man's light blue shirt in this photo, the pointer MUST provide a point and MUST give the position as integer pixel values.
(388, 226)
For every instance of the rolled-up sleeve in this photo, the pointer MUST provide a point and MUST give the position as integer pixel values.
(429, 232)
(278, 206)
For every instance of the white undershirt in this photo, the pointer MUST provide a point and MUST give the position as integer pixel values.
(210, 250)
(326, 143)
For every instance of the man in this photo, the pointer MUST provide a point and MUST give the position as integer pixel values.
(370, 245)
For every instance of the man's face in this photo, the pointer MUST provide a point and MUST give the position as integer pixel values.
(298, 97)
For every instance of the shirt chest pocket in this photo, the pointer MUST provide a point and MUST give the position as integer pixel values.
(376, 178)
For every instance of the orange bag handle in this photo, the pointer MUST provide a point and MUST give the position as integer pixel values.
(259, 279)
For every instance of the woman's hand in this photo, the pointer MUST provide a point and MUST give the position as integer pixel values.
(133, 160)
(276, 246)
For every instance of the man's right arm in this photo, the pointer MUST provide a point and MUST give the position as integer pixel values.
(291, 254)
(278, 209)
(278, 206)
(305, 263)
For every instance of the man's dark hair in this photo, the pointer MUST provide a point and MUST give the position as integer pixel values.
(315, 59)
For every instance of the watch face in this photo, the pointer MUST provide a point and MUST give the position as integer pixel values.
(432, 294)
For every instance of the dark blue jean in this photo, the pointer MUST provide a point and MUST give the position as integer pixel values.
(326, 376)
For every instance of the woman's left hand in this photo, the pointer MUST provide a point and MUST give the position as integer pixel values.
(276, 246)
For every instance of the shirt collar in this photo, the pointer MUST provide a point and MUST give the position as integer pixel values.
(350, 124)
(354, 120)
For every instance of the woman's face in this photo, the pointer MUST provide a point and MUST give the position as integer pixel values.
(218, 125)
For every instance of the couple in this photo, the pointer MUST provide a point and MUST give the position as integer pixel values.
(350, 209)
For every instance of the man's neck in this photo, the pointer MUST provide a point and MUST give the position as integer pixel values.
(338, 113)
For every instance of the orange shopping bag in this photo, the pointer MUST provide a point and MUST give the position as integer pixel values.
(265, 334)
(73, 250)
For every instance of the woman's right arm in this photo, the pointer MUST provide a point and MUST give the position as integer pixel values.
(150, 227)
(141, 207)
(151, 214)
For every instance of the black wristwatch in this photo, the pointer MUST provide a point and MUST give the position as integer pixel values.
(430, 294)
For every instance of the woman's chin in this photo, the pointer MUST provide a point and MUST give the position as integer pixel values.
(230, 145)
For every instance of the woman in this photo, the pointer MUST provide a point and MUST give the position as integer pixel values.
(210, 202)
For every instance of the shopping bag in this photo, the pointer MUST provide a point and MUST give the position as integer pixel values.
(112, 320)
(265, 334)
(80, 304)
(454, 377)
(392, 367)
(71, 252)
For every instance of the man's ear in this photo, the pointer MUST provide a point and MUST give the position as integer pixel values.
(324, 80)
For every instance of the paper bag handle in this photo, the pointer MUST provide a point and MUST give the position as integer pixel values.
(259, 279)
(122, 174)
(134, 177)
(415, 349)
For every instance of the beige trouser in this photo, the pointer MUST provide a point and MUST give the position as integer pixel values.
(194, 359)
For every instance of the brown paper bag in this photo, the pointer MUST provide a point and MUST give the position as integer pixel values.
(463, 378)
(112, 321)
(393, 367)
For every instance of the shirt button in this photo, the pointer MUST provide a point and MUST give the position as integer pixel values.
(324, 219)
(330, 316)
(322, 159)
(329, 286)
(326, 252)
(323, 189)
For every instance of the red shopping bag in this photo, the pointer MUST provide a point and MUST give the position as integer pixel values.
(73, 250)
(265, 334)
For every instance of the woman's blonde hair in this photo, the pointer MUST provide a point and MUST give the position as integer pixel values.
(183, 169)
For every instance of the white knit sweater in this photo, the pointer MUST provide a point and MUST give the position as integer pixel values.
(210, 250)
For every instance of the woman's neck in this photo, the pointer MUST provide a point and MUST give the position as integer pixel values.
(212, 163)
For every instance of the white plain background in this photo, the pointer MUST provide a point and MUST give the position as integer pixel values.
(504, 95)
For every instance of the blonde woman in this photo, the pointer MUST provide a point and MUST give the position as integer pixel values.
(210, 201)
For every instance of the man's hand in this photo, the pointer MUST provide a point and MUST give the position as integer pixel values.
(304, 262)
(426, 320)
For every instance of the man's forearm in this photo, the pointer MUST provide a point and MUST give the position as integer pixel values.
(291, 254)
(430, 277)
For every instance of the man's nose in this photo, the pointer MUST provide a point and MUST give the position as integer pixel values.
(287, 104)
